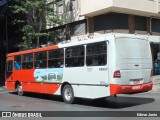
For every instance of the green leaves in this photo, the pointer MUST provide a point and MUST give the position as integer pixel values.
(33, 15)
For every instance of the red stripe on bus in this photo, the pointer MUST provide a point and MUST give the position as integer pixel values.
(124, 89)
(34, 50)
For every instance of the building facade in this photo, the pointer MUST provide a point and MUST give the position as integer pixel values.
(92, 17)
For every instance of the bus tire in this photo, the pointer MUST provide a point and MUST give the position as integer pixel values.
(19, 90)
(68, 94)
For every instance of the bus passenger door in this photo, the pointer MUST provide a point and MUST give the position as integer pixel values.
(9, 68)
(9, 74)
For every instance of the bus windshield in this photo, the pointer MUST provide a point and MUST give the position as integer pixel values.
(132, 48)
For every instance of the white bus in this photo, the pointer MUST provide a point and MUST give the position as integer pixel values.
(93, 68)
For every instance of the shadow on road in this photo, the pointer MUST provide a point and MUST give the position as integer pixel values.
(42, 96)
(117, 103)
(109, 102)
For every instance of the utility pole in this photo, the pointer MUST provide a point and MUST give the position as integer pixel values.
(7, 27)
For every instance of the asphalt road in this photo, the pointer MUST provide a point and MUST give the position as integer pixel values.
(10, 101)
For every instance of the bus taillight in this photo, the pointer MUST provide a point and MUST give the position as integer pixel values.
(117, 74)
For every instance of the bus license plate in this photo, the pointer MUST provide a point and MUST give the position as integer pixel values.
(136, 87)
(136, 81)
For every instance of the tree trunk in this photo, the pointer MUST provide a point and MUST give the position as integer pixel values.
(38, 42)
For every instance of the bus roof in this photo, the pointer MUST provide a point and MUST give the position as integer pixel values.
(33, 50)
(86, 40)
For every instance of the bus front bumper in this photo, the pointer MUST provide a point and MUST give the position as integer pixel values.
(129, 89)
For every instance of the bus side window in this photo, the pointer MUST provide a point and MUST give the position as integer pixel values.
(56, 58)
(17, 62)
(9, 66)
(27, 61)
(74, 56)
(17, 65)
(40, 59)
(96, 54)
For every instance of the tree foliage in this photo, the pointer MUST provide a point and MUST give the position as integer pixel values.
(33, 15)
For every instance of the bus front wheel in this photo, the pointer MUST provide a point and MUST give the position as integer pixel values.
(19, 90)
(68, 94)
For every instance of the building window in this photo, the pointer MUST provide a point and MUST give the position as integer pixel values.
(27, 61)
(55, 58)
(60, 7)
(74, 56)
(111, 21)
(74, 4)
(155, 25)
(40, 60)
(79, 28)
(140, 23)
(96, 54)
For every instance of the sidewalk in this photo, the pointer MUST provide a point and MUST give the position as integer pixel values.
(2, 88)
(2, 85)
(156, 83)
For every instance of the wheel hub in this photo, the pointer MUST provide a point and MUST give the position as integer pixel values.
(20, 89)
(68, 94)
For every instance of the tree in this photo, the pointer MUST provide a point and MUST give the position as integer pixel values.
(33, 15)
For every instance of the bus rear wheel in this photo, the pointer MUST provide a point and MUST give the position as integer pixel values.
(19, 90)
(68, 94)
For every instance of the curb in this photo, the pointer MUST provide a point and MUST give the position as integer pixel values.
(156, 84)
(2, 88)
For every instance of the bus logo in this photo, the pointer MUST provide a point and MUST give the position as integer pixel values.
(6, 114)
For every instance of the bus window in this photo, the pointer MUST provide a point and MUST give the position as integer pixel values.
(27, 61)
(9, 66)
(40, 60)
(17, 62)
(96, 54)
(9, 69)
(56, 58)
(74, 56)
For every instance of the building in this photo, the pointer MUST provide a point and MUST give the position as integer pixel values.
(92, 17)
(73, 23)
(8, 36)
(2, 38)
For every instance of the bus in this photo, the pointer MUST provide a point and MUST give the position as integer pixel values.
(97, 67)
